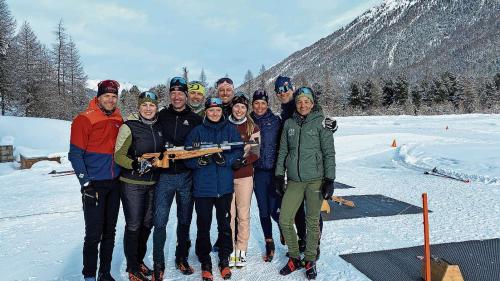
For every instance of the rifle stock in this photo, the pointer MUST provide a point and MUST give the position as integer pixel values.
(178, 154)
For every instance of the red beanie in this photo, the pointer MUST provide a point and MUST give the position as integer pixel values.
(107, 86)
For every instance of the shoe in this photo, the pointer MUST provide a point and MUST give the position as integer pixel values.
(233, 258)
(292, 265)
(105, 276)
(158, 271)
(225, 271)
(241, 259)
(144, 269)
(269, 250)
(206, 272)
(137, 275)
(183, 266)
(311, 270)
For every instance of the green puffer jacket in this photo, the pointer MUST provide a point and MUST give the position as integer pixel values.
(307, 150)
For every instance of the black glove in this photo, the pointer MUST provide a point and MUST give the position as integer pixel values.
(219, 158)
(142, 166)
(240, 162)
(279, 185)
(327, 188)
(330, 124)
(87, 187)
(204, 160)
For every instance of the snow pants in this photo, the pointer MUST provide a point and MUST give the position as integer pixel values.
(292, 199)
(137, 203)
(268, 201)
(240, 212)
(204, 209)
(101, 205)
(169, 186)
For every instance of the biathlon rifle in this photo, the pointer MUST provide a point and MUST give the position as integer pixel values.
(198, 149)
(325, 207)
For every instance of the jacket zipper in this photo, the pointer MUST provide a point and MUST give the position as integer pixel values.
(175, 137)
(154, 142)
(298, 153)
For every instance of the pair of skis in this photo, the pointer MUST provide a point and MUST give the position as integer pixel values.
(55, 173)
(437, 173)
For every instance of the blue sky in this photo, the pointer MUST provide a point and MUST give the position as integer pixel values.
(145, 42)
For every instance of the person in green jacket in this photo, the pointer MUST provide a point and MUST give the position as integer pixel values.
(307, 155)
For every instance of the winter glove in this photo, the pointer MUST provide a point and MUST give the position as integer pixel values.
(142, 166)
(204, 160)
(240, 162)
(219, 158)
(87, 187)
(279, 185)
(327, 188)
(330, 124)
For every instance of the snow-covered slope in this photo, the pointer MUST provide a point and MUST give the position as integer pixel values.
(42, 226)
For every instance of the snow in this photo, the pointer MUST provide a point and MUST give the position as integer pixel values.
(42, 222)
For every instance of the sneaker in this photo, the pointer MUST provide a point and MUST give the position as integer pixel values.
(144, 269)
(233, 258)
(206, 272)
(311, 270)
(225, 271)
(241, 259)
(105, 276)
(292, 265)
(183, 266)
(137, 275)
(159, 270)
(269, 250)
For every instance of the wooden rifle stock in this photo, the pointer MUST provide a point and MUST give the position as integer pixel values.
(178, 155)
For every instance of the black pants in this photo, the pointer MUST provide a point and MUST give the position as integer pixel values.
(300, 223)
(100, 210)
(137, 203)
(204, 207)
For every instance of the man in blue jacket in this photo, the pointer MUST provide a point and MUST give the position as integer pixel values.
(213, 186)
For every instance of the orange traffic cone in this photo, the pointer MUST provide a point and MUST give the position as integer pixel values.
(394, 143)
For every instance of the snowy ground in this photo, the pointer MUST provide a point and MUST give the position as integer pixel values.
(41, 220)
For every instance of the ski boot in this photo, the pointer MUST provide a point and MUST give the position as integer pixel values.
(225, 271)
(137, 275)
(158, 272)
(292, 265)
(311, 270)
(145, 270)
(206, 272)
(269, 250)
(183, 266)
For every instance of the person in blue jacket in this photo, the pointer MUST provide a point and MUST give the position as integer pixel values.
(213, 186)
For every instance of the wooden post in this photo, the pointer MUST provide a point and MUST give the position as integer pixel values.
(427, 246)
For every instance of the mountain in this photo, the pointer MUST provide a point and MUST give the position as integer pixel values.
(410, 37)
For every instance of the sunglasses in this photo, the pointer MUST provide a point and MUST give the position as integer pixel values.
(178, 81)
(284, 89)
(149, 95)
(195, 85)
(224, 80)
(215, 101)
(304, 90)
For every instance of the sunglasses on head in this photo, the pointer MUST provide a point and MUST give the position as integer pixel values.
(224, 80)
(178, 81)
(215, 101)
(195, 85)
(149, 95)
(304, 90)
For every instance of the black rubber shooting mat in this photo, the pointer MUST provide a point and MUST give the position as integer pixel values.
(478, 261)
(374, 205)
(340, 185)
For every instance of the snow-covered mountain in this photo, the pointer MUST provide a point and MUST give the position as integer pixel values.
(411, 37)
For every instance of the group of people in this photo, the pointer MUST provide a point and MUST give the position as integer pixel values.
(287, 161)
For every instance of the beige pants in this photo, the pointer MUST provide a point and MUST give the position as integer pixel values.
(240, 207)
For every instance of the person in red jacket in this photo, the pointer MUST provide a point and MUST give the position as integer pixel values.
(92, 145)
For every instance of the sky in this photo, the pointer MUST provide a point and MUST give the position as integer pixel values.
(146, 42)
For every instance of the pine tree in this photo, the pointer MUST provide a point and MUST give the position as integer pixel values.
(76, 79)
(7, 26)
(497, 81)
(248, 81)
(262, 80)
(401, 90)
(203, 77)
(369, 94)
(355, 95)
(129, 100)
(388, 92)
(185, 73)
(59, 53)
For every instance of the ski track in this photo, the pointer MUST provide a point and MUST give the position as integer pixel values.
(42, 227)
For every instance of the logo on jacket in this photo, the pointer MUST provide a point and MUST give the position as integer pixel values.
(291, 132)
(186, 123)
